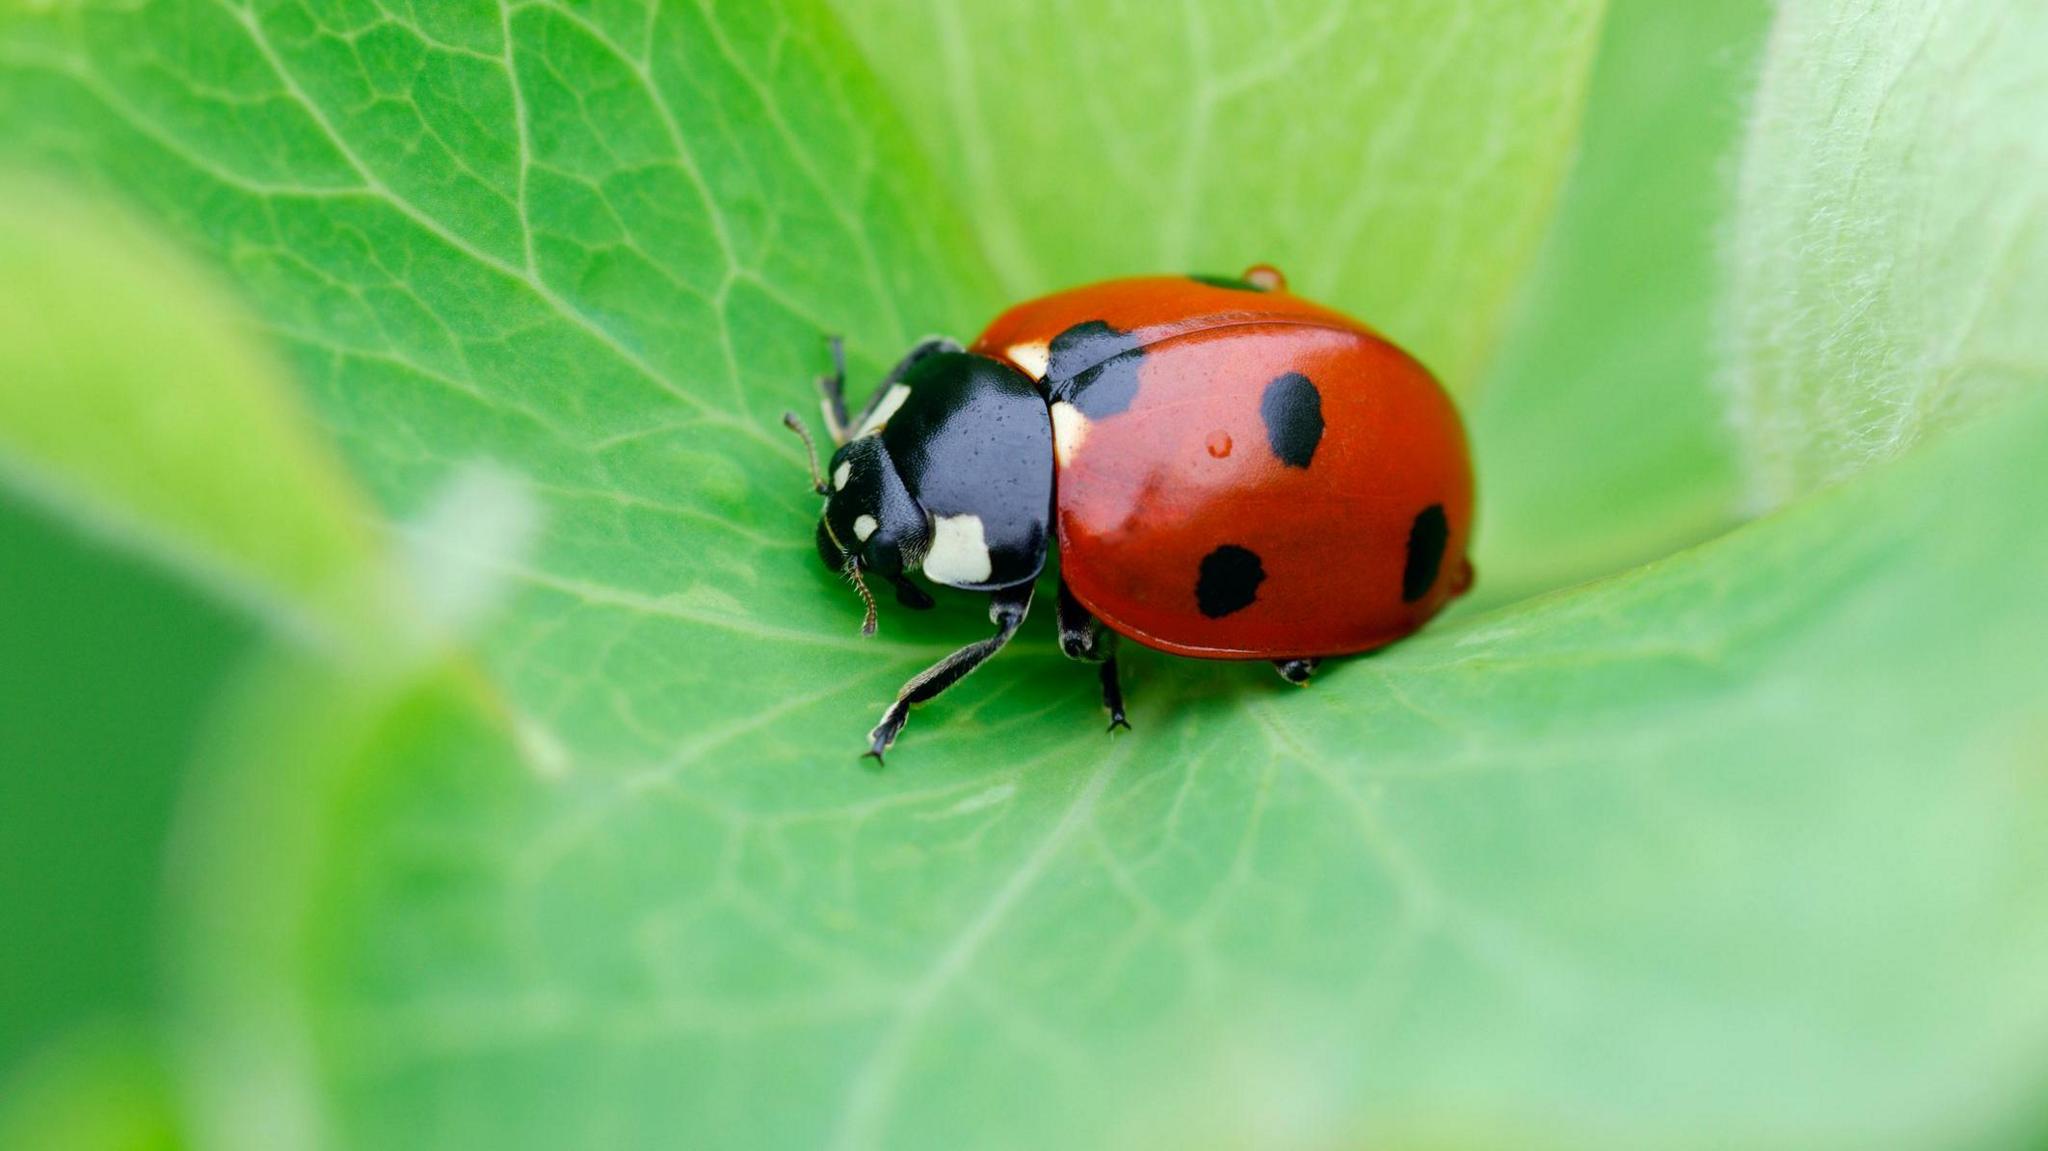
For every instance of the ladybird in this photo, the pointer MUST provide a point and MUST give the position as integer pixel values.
(1229, 471)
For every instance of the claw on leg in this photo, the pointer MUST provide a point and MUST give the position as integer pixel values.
(1113, 695)
(885, 732)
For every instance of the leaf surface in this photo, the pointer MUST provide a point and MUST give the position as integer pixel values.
(1891, 247)
(1690, 824)
(1617, 340)
(1397, 159)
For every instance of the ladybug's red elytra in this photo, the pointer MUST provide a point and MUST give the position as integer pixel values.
(1230, 472)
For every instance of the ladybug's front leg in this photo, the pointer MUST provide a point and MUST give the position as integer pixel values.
(833, 388)
(1007, 608)
(1082, 637)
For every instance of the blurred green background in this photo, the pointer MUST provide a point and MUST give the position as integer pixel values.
(421, 723)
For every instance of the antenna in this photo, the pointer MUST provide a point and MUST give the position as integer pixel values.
(790, 421)
(867, 624)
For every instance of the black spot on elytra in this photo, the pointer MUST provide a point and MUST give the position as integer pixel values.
(1426, 539)
(1233, 283)
(1094, 367)
(1229, 581)
(1293, 412)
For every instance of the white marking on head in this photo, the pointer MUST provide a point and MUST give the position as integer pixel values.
(1032, 357)
(863, 527)
(877, 419)
(959, 552)
(841, 474)
(1069, 431)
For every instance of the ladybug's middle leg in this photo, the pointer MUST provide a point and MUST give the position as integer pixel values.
(1082, 637)
(1297, 671)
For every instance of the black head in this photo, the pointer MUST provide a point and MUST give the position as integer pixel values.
(870, 519)
(870, 523)
(949, 475)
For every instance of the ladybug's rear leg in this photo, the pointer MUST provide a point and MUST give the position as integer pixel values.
(1082, 637)
(833, 388)
(1297, 671)
(1007, 608)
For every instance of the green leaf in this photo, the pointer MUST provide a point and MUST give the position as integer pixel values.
(1891, 251)
(109, 669)
(171, 432)
(1617, 341)
(1398, 159)
(1742, 846)
(101, 1090)
(1692, 825)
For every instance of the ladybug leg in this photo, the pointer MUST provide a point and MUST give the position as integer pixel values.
(1082, 637)
(909, 594)
(833, 387)
(1007, 608)
(1297, 671)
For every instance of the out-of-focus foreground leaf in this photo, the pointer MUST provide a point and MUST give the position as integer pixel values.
(110, 668)
(132, 402)
(136, 408)
(100, 1089)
